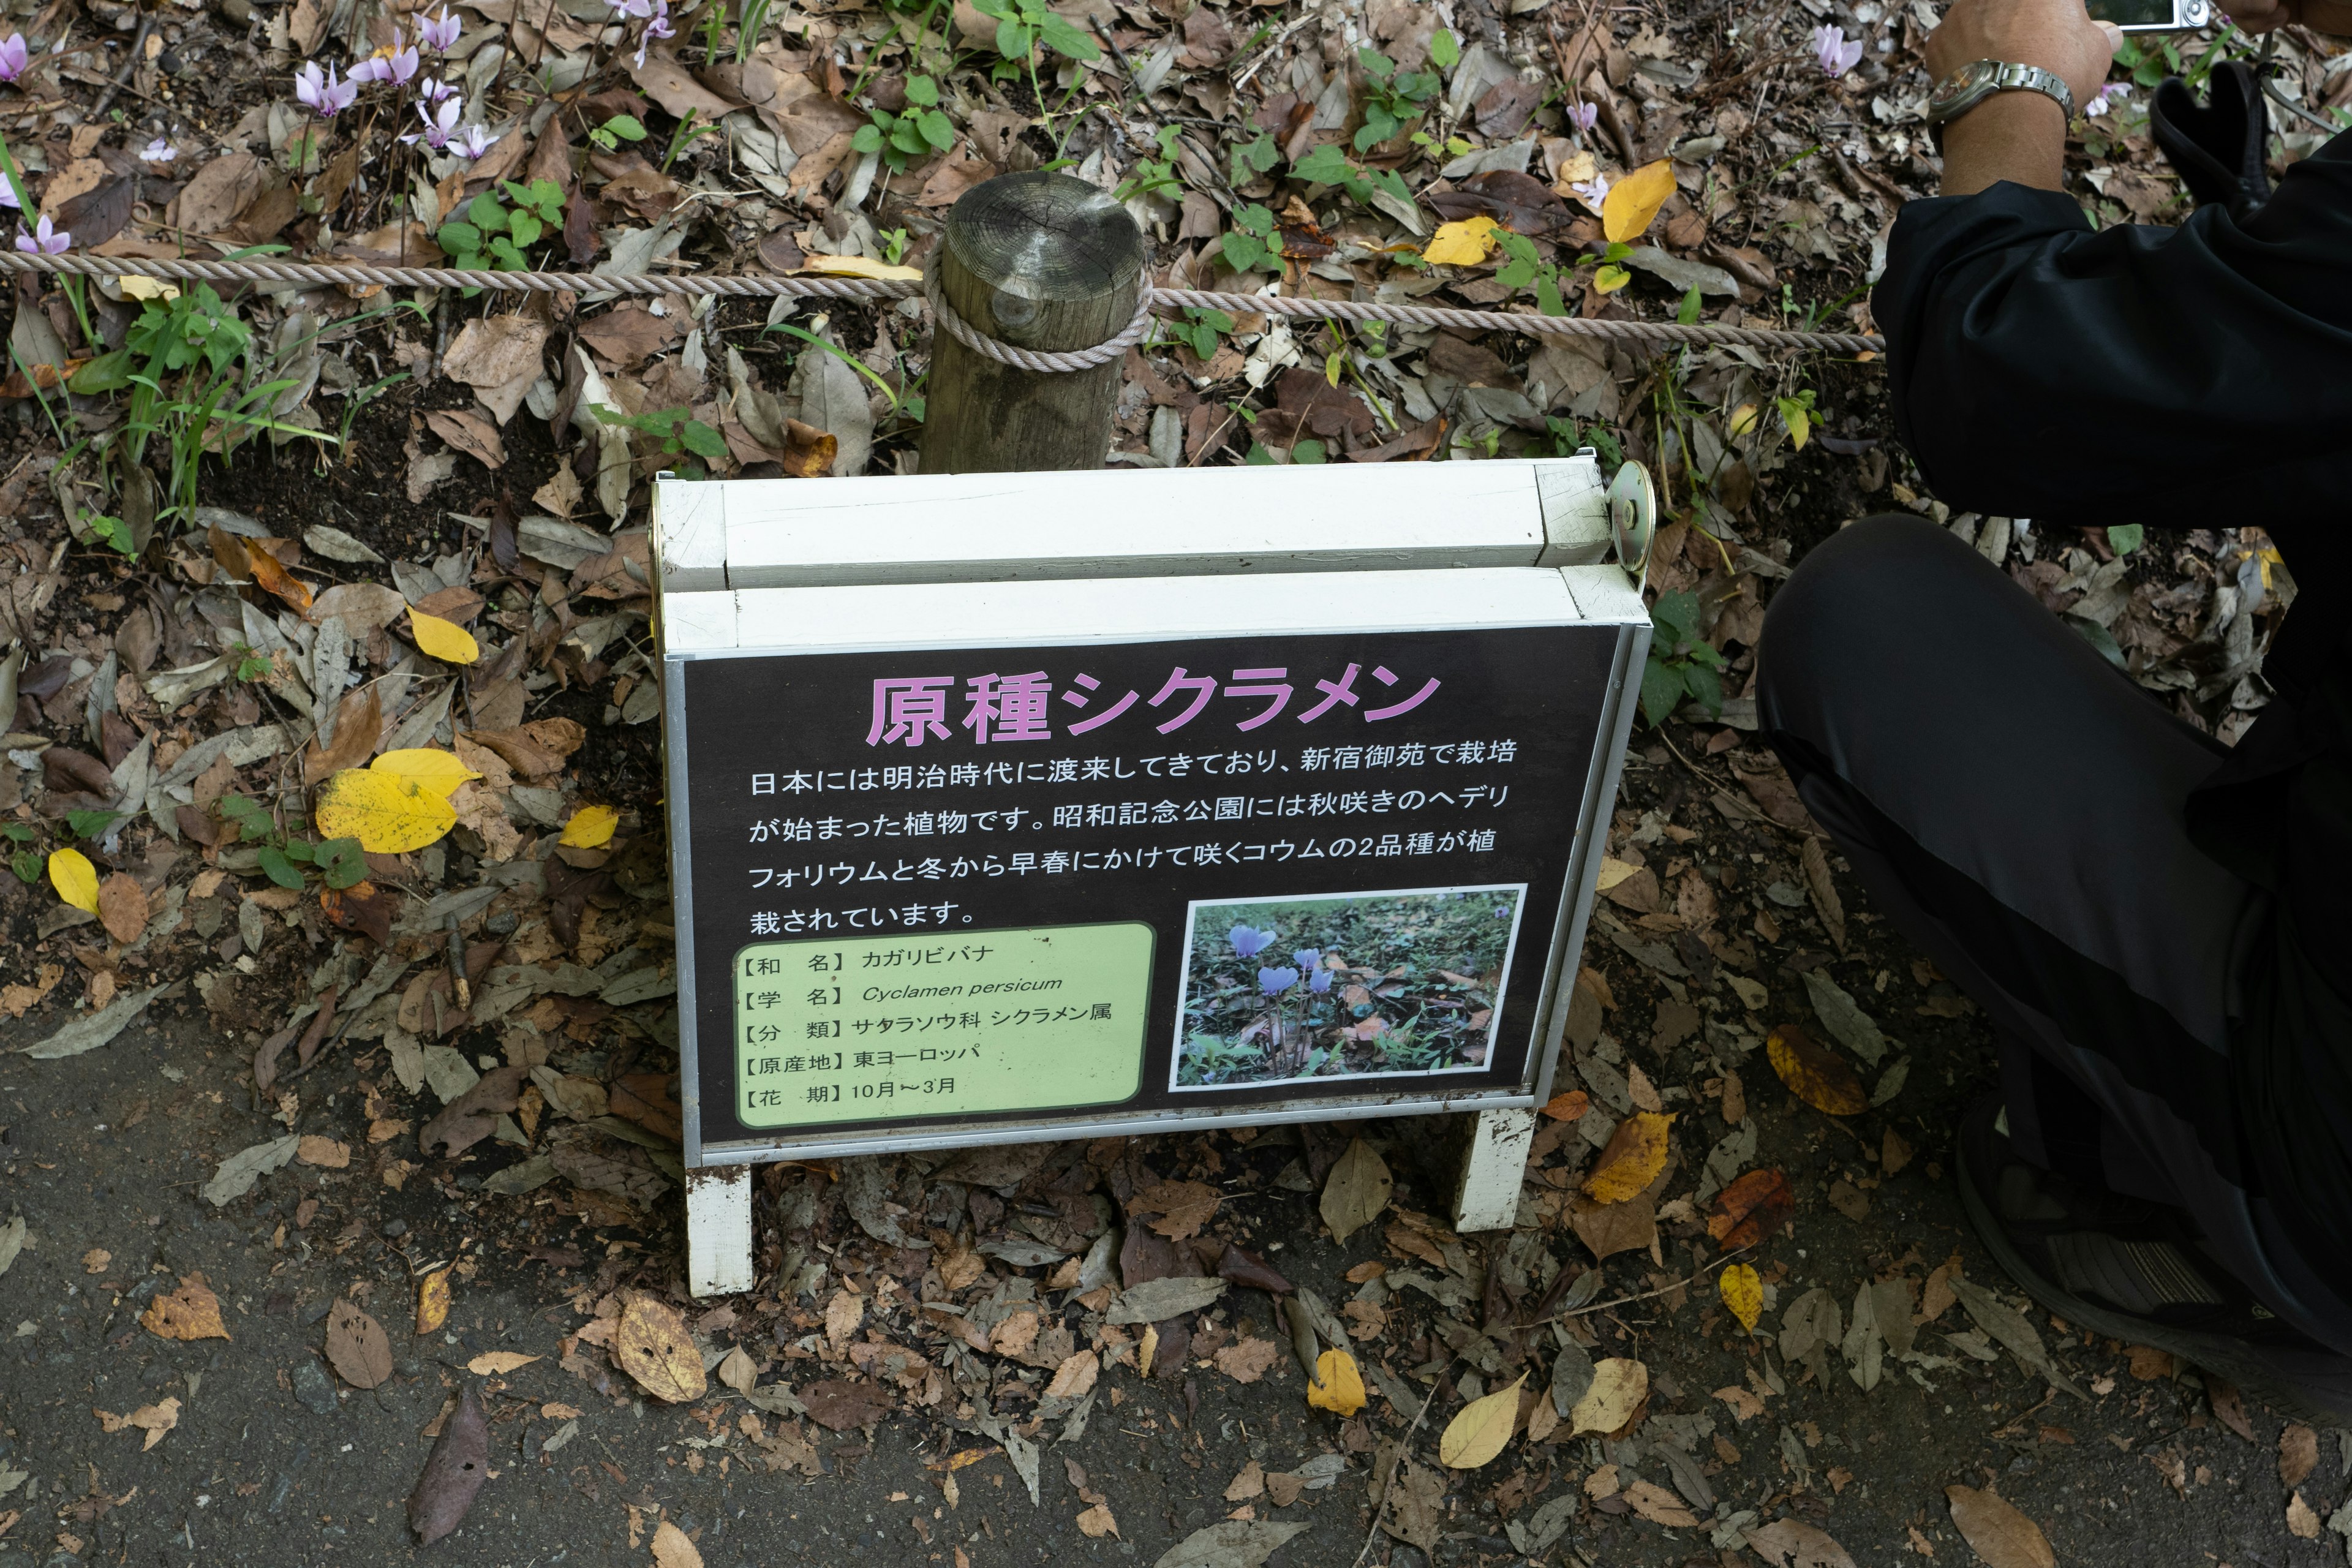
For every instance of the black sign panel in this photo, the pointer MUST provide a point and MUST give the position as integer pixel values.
(975, 886)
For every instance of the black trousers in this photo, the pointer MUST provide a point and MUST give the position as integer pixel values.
(2013, 804)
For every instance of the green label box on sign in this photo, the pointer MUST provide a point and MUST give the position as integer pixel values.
(978, 1022)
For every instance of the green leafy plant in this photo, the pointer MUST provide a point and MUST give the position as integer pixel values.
(495, 235)
(1200, 330)
(1392, 96)
(1023, 24)
(1682, 663)
(339, 862)
(919, 131)
(251, 665)
(690, 130)
(25, 863)
(90, 822)
(1154, 177)
(1326, 165)
(1255, 158)
(619, 128)
(110, 531)
(894, 246)
(1254, 238)
(676, 428)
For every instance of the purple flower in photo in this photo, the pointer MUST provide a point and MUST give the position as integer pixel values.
(626, 8)
(439, 33)
(13, 57)
(473, 144)
(1248, 941)
(432, 90)
(158, 152)
(1308, 959)
(326, 96)
(397, 65)
(47, 241)
(2102, 99)
(656, 26)
(1319, 982)
(1274, 982)
(437, 131)
(1582, 115)
(1837, 53)
(9, 196)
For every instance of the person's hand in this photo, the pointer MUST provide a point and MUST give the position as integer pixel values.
(2056, 34)
(2262, 16)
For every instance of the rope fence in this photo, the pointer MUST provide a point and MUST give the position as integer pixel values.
(307, 275)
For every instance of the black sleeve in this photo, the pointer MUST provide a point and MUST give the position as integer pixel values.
(2196, 377)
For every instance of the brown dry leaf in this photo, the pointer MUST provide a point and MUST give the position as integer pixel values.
(673, 1547)
(157, 1419)
(1183, 1208)
(1893, 1151)
(1607, 1229)
(1643, 1092)
(497, 1363)
(270, 575)
(653, 1346)
(1246, 1361)
(1659, 1506)
(1074, 1376)
(327, 1153)
(1568, 1107)
(1816, 863)
(842, 1316)
(1793, 1543)
(359, 725)
(469, 433)
(2301, 1522)
(97, 1258)
(1631, 1160)
(1735, 1099)
(1250, 1483)
(1745, 1404)
(737, 1371)
(1996, 1533)
(190, 1312)
(1819, 1076)
(357, 1346)
(433, 1301)
(1619, 1387)
(1355, 1191)
(1096, 1522)
(122, 907)
(454, 1471)
(2298, 1453)
(1751, 1208)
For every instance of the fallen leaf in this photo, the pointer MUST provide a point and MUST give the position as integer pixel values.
(1633, 202)
(387, 812)
(1631, 1160)
(190, 1312)
(1742, 1293)
(74, 878)
(1569, 1107)
(454, 1472)
(1178, 1208)
(445, 640)
(590, 827)
(1819, 1076)
(2300, 1521)
(1246, 1361)
(859, 266)
(737, 1371)
(471, 433)
(122, 907)
(673, 1547)
(327, 1153)
(838, 1405)
(1657, 1505)
(1097, 1523)
(1357, 1190)
(1464, 243)
(436, 772)
(1229, 1543)
(1793, 1543)
(157, 1419)
(271, 575)
(240, 1170)
(357, 1346)
(1481, 1429)
(433, 1301)
(1996, 1533)
(652, 1345)
(2298, 1453)
(1074, 1376)
(497, 1363)
(97, 1258)
(1619, 1387)
(1751, 1208)
(1341, 1386)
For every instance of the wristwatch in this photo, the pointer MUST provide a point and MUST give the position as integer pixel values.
(1980, 79)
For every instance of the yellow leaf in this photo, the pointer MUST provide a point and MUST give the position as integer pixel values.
(147, 289)
(1742, 1293)
(1614, 871)
(653, 1346)
(1341, 1385)
(433, 1301)
(1462, 243)
(1633, 202)
(445, 640)
(387, 813)
(1743, 419)
(1631, 1160)
(860, 266)
(74, 878)
(1608, 280)
(1800, 425)
(436, 772)
(1618, 1386)
(1815, 1074)
(1479, 1431)
(1577, 169)
(590, 827)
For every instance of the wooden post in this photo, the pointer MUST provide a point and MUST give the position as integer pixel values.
(1039, 261)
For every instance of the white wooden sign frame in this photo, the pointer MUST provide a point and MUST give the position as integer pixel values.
(800, 566)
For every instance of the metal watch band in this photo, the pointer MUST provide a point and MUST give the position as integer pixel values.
(1980, 79)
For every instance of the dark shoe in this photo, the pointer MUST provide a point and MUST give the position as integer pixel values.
(2220, 147)
(2131, 1270)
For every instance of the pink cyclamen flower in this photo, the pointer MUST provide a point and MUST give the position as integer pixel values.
(624, 8)
(439, 127)
(473, 144)
(396, 65)
(656, 26)
(45, 240)
(326, 96)
(2101, 101)
(9, 196)
(432, 90)
(13, 57)
(1592, 192)
(1837, 53)
(158, 152)
(439, 34)
(1583, 115)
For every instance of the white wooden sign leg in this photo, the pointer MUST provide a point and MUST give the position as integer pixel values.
(718, 1230)
(1488, 1196)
